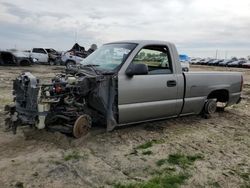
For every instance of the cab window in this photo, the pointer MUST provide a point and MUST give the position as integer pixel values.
(157, 59)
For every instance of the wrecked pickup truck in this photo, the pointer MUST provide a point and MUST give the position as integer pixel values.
(120, 83)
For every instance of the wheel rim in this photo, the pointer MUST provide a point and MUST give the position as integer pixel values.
(70, 64)
(211, 106)
(81, 126)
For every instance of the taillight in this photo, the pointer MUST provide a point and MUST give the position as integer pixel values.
(241, 83)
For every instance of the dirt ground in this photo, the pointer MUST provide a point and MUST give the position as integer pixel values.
(33, 158)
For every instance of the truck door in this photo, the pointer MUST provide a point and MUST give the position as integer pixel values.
(44, 55)
(151, 96)
(35, 54)
(40, 54)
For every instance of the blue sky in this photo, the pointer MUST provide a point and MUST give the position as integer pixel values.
(194, 25)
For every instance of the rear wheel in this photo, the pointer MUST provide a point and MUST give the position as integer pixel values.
(25, 63)
(209, 108)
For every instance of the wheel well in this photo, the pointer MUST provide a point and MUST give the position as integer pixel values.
(25, 62)
(70, 61)
(221, 95)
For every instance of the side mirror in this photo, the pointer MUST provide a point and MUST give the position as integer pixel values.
(137, 69)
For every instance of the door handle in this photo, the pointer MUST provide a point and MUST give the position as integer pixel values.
(171, 83)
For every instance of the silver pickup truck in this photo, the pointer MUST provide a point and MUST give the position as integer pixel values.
(121, 83)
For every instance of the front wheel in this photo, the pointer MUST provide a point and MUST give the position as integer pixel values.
(51, 63)
(70, 64)
(81, 126)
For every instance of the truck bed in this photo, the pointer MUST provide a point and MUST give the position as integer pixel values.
(201, 85)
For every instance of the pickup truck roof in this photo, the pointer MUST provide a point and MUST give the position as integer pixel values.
(144, 42)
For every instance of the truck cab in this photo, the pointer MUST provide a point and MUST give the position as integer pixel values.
(155, 94)
(40, 54)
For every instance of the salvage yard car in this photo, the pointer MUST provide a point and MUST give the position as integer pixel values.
(14, 58)
(48, 56)
(40, 54)
(238, 63)
(246, 65)
(225, 62)
(70, 59)
(120, 83)
(76, 54)
(54, 56)
(215, 62)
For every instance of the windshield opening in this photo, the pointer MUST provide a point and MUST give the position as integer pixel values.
(109, 57)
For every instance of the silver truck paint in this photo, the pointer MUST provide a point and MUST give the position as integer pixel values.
(142, 87)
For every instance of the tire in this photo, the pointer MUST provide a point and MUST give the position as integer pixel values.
(51, 63)
(25, 63)
(210, 106)
(69, 64)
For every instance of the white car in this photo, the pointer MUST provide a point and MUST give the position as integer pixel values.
(70, 59)
(40, 55)
(185, 66)
(195, 60)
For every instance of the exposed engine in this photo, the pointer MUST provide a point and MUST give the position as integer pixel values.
(65, 105)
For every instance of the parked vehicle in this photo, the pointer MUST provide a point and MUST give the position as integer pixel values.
(195, 61)
(76, 54)
(215, 62)
(121, 84)
(185, 66)
(48, 56)
(206, 61)
(201, 61)
(246, 65)
(184, 60)
(225, 62)
(14, 58)
(40, 55)
(236, 63)
(54, 56)
(211, 62)
(70, 59)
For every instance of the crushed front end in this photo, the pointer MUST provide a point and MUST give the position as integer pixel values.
(69, 104)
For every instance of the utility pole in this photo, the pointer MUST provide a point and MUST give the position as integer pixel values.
(75, 36)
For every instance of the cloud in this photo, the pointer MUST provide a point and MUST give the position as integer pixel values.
(191, 24)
